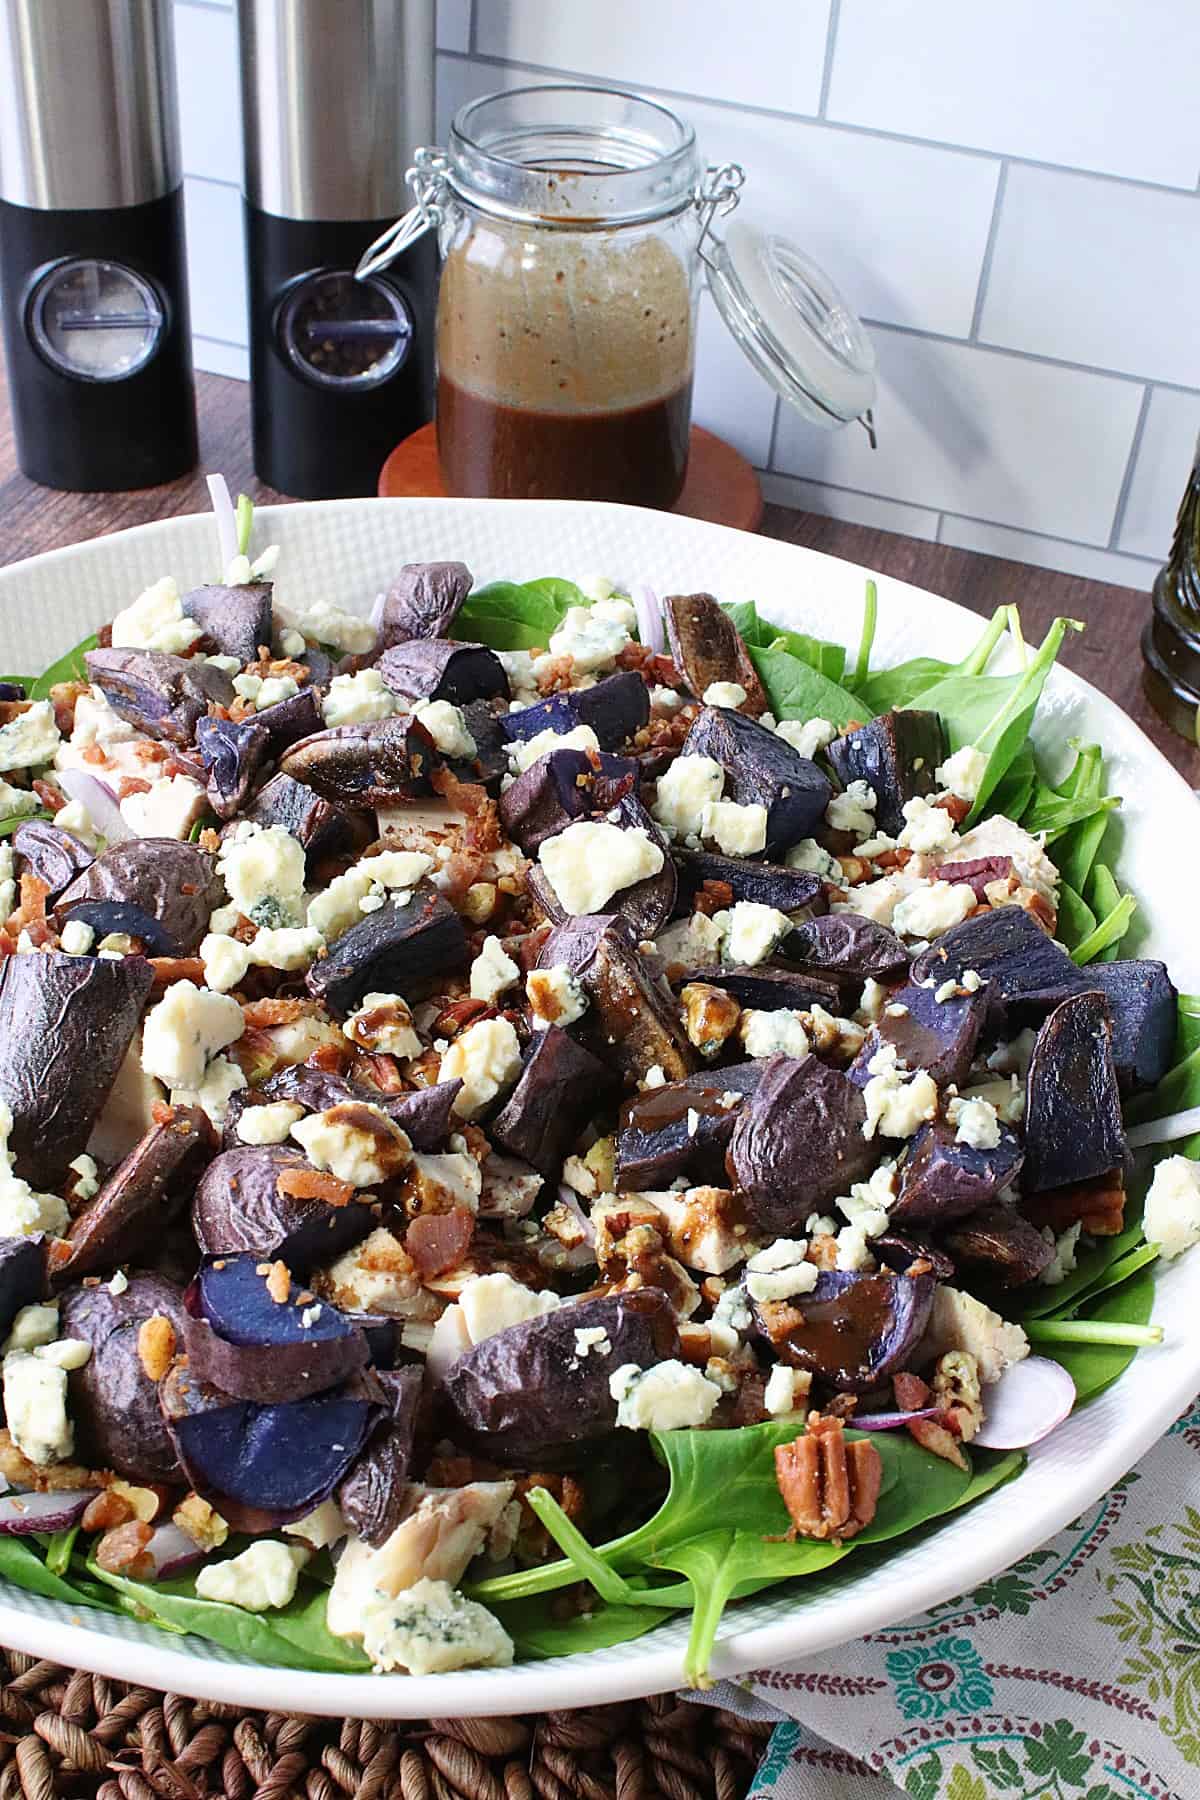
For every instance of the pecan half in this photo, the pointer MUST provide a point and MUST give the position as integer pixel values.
(1098, 1205)
(830, 1488)
(710, 1015)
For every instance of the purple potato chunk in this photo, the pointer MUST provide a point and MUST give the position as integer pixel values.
(852, 1331)
(942, 1179)
(762, 769)
(275, 1460)
(390, 951)
(899, 1250)
(682, 1129)
(616, 708)
(707, 646)
(997, 1245)
(767, 989)
(373, 1495)
(175, 883)
(427, 1114)
(51, 854)
(234, 755)
(22, 1275)
(161, 695)
(1142, 1003)
(768, 884)
(845, 948)
(298, 716)
(136, 1200)
(629, 1022)
(441, 669)
(647, 905)
(936, 1035)
(560, 787)
(1073, 1127)
(325, 830)
(1026, 972)
(798, 1143)
(896, 755)
(65, 1025)
(561, 1085)
(525, 1397)
(108, 916)
(112, 1401)
(237, 620)
(238, 1206)
(423, 602)
(240, 1339)
(366, 765)
(13, 690)
(489, 765)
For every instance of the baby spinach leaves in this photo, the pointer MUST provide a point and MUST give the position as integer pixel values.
(510, 615)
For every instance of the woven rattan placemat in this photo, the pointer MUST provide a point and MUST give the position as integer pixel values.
(65, 1733)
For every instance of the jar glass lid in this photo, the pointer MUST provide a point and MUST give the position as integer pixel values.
(793, 324)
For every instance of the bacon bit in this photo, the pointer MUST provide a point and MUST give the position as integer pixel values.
(52, 798)
(911, 1395)
(210, 841)
(712, 897)
(146, 751)
(262, 1014)
(242, 709)
(162, 1114)
(556, 677)
(279, 1282)
(96, 755)
(131, 784)
(32, 908)
(176, 968)
(156, 1345)
(437, 1242)
(892, 859)
(331, 1059)
(310, 1184)
(656, 670)
(953, 804)
(63, 695)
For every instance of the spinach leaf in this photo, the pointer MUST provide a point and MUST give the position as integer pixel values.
(293, 1636)
(1012, 794)
(1117, 912)
(58, 1550)
(798, 691)
(907, 681)
(1076, 920)
(21, 1564)
(15, 820)
(70, 667)
(760, 634)
(537, 1634)
(509, 615)
(995, 712)
(1093, 1367)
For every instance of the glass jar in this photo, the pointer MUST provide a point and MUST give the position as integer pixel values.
(574, 224)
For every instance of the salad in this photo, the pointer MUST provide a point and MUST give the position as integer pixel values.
(545, 1107)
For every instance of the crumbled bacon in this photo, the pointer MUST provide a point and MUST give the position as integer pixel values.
(310, 1184)
(260, 1015)
(437, 1241)
(712, 897)
(32, 907)
(52, 798)
(131, 784)
(176, 968)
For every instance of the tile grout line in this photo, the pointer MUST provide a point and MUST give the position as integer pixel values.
(1130, 466)
(1034, 356)
(853, 130)
(775, 416)
(831, 31)
(989, 251)
(472, 27)
(217, 6)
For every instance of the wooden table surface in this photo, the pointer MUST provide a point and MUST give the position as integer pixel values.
(35, 518)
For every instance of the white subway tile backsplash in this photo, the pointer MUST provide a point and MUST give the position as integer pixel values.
(759, 53)
(1160, 474)
(206, 60)
(996, 437)
(731, 398)
(843, 503)
(454, 24)
(216, 260)
(1095, 84)
(1097, 272)
(221, 359)
(872, 212)
(1049, 553)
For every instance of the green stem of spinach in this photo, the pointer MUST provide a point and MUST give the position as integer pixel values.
(1091, 1331)
(981, 655)
(245, 520)
(608, 1584)
(862, 664)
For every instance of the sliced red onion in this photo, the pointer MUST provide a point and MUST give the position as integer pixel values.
(1164, 1131)
(226, 518)
(651, 629)
(98, 802)
(377, 606)
(22, 1513)
(568, 1199)
(172, 1551)
(1028, 1401)
(891, 1421)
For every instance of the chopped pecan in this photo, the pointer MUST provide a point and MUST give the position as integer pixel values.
(202, 1523)
(712, 897)
(710, 1015)
(1098, 1205)
(956, 1390)
(913, 1394)
(47, 1478)
(830, 1488)
(176, 968)
(106, 1511)
(122, 1551)
(156, 1345)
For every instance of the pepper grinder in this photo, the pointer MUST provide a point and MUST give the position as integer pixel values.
(93, 284)
(336, 96)
(1171, 638)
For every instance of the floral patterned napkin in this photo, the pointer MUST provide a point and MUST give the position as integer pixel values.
(1074, 1675)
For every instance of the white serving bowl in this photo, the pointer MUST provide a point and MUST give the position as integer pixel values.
(346, 551)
